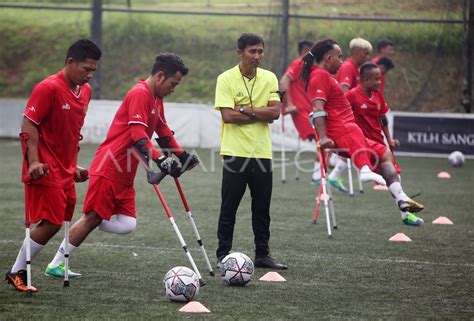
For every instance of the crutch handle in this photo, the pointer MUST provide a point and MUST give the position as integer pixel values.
(154, 178)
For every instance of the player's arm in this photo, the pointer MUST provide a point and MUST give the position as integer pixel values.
(318, 118)
(36, 169)
(345, 88)
(393, 143)
(233, 116)
(285, 87)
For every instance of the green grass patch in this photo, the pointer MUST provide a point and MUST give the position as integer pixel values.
(357, 275)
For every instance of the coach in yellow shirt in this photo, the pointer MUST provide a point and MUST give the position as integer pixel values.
(248, 99)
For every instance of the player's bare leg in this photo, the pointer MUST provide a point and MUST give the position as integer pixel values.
(406, 205)
(77, 234)
(40, 235)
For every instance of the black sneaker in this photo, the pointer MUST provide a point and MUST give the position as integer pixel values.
(268, 262)
(219, 261)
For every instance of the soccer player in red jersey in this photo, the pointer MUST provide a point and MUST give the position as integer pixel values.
(385, 48)
(110, 198)
(51, 125)
(370, 108)
(385, 64)
(335, 124)
(297, 102)
(348, 77)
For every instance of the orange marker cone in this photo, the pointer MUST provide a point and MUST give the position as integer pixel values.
(444, 175)
(443, 220)
(400, 237)
(272, 277)
(194, 307)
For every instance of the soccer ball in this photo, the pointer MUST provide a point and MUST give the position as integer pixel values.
(456, 159)
(236, 269)
(181, 284)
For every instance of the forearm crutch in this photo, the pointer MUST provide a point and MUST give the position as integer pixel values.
(154, 178)
(283, 160)
(193, 224)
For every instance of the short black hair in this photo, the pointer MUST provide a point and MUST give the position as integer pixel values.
(249, 39)
(384, 43)
(304, 44)
(83, 49)
(387, 62)
(169, 64)
(366, 68)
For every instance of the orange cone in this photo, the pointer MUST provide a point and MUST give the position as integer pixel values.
(194, 307)
(444, 175)
(443, 220)
(400, 237)
(272, 277)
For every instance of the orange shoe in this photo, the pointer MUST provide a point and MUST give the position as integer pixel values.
(18, 280)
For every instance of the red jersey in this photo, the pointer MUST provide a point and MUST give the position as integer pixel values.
(322, 85)
(297, 90)
(382, 77)
(59, 113)
(114, 158)
(367, 112)
(348, 74)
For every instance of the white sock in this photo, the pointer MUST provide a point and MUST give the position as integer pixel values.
(367, 175)
(20, 263)
(339, 169)
(317, 171)
(59, 257)
(122, 224)
(397, 192)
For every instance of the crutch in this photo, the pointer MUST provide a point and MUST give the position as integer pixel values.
(297, 172)
(361, 187)
(29, 292)
(283, 160)
(66, 253)
(349, 176)
(193, 224)
(154, 179)
(324, 189)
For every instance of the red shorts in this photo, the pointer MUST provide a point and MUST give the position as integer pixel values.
(362, 150)
(108, 198)
(49, 203)
(303, 126)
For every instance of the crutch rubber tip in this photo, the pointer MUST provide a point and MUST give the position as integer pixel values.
(335, 227)
(202, 282)
(362, 192)
(211, 273)
(297, 178)
(283, 181)
(66, 284)
(352, 195)
(330, 237)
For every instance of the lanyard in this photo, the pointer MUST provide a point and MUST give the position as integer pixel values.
(251, 89)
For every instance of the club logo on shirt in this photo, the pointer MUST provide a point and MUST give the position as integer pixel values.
(66, 106)
(363, 106)
(347, 78)
(319, 91)
(32, 108)
(239, 94)
(137, 116)
(153, 111)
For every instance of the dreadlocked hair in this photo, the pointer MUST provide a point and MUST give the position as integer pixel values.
(316, 53)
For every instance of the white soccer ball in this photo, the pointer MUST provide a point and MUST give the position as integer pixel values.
(456, 159)
(181, 284)
(236, 269)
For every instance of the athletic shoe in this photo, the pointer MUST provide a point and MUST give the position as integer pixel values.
(219, 261)
(337, 184)
(411, 219)
(58, 272)
(18, 280)
(269, 262)
(410, 205)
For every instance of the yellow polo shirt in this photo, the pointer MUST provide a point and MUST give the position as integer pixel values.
(233, 89)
